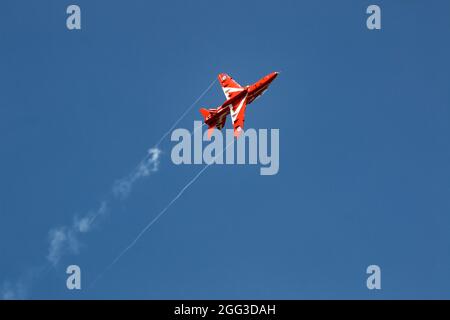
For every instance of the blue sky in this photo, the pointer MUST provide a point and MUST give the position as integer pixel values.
(364, 158)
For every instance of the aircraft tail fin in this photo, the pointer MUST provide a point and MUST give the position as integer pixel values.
(205, 113)
(211, 126)
(213, 122)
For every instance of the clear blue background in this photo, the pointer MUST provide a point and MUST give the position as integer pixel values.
(364, 160)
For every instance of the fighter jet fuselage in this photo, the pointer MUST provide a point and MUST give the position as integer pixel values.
(237, 99)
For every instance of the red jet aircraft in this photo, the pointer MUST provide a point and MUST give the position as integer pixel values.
(237, 99)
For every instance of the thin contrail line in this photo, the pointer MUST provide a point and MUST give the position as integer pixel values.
(185, 112)
(159, 215)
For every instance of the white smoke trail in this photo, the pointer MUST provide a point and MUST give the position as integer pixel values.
(65, 239)
(159, 215)
(146, 167)
(20, 289)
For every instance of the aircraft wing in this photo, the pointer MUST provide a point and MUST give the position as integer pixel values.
(237, 111)
(230, 87)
